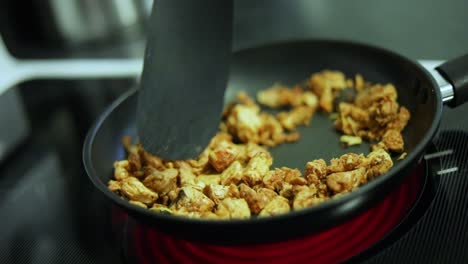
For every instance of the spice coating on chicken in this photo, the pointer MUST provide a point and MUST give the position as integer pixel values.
(234, 178)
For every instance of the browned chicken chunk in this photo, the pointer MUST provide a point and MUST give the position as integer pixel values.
(233, 178)
(192, 200)
(134, 190)
(279, 205)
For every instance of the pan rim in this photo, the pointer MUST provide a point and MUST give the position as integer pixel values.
(317, 209)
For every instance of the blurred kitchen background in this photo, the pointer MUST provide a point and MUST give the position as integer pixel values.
(43, 123)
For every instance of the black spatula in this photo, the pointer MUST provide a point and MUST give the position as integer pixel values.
(184, 76)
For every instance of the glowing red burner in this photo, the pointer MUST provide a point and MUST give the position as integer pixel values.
(330, 246)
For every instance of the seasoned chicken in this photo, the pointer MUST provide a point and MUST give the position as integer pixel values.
(134, 190)
(256, 201)
(233, 174)
(280, 96)
(380, 162)
(186, 175)
(235, 208)
(315, 171)
(347, 162)
(273, 179)
(307, 197)
(114, 186)
(392, 140)
(375, 115)
(216, 192)
(121, 169)
(257, 167)
(300, 115)
(160, 208)
(192, 200)
(323, 84)
(232, 177)
(209, 179)
(293, 176)
(223, 155)
(346, 181)
(279, 205)
(244, 122)
(162, 182)
(138, 203)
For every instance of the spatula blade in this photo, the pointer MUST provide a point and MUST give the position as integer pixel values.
(184, 77)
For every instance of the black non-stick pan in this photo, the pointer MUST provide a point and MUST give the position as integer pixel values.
(290, 63)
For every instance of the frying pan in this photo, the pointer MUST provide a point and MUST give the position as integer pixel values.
(290, 63)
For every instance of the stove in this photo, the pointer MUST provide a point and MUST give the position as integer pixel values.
(51, 213)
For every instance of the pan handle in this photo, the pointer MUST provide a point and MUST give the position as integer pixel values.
(455, 72)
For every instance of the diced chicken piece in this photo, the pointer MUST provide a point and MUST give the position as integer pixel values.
(121, 169)
(402, 156)
(321, 81)
(349, 141)
(199, 164)
(233, 191)
(309, 99)
(233, 208)
(351, 119)
(274, 97)
(287, 190)
(223, 155)
(375, 93)
(192, 200)
(149, 160)
(293, 176)
(245, 99)
(209, 179)
(256, 201)
(273, 179)
(324, 84)
(359, 83)
(186, 175)
(326, 100)
(315, 171)
(161, 208)
(347, 162)
(383, 112)
(220, 138)
(346, 181)
(162, 181)
(257, 167)
(300, 115)
(307, 197)
(252, 150)
(380, 162)
(233, 174)
(401, 120)
(134, 160)
(393, 140)
(279, 205)
(271, 133)
(114, 186)
(216, 192)
(134, 190)
(138, 203)
(267, 193)
(244, 122)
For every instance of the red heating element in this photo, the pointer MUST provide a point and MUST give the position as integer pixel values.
(333, 245)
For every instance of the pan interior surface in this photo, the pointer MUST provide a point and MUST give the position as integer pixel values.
(293, 63)
(288, 63)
